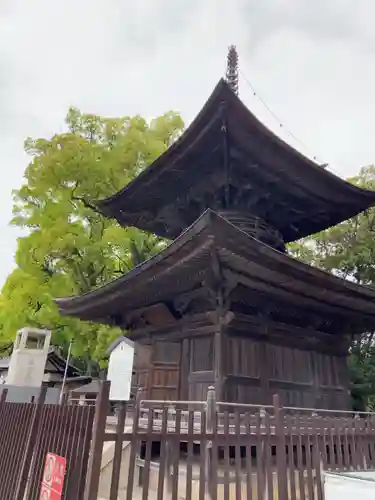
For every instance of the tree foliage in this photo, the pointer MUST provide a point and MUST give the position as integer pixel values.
(70, 248)
(348, 251)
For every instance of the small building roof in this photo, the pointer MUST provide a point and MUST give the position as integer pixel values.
(92, 388)
(119, 341)
(187, 262)
(227, 151)
(53, 357)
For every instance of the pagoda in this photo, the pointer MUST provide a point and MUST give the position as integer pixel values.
(224, 304)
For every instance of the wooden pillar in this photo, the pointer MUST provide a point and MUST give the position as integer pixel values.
(264, 367)
(218, 362)
(184, 370)
(315, 380)
(150, 375)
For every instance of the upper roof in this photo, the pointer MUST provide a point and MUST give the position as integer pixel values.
(228, 157)
(187, 262)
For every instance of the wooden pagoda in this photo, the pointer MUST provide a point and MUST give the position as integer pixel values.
(224, 304)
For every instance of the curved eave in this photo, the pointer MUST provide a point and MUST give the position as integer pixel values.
(60, 364)
(184, 258)
(177, 255)
(175, 152)
(334, 195)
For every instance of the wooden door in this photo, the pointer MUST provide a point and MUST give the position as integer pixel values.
(165, 376)
(142, 367)
(157, 370)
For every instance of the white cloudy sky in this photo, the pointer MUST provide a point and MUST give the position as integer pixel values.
(313, 62)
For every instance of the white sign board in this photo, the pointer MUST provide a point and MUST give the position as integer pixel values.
(120, 370)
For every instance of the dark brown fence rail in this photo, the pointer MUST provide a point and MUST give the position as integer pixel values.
(28, 431)
(15, 422)
(196, 450)
(179, 449)
(66, 431)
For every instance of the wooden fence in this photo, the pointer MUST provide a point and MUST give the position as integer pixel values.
(217, 450)
(180, 449)
(28, 431)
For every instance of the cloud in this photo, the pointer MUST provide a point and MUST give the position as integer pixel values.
(335, 20)
(312, 62)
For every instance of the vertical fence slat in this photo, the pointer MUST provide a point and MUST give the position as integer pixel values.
(309, 471)
(190, 451)
(37, 465)
(317, 460)
(226, 455)
(301, 478)
(202, 471)
(176, 456)
(88, 418)
(33, 433)
(147, 460)
(162, 466)
(134, 447)
(357, 443)
(249, 469)
(4, 411)
(345, 444)
(25, 412)
(116, 464)
(260, 458)
(211, 448)
(237, 450)
(324, 455)
(367, 443)
(269, 469)
(93, 475)
(291, 462)
(214, 463)
(73, 447)
(76, 451)
(372, 443)
(338, 443)
(9, 449)
(280, 449)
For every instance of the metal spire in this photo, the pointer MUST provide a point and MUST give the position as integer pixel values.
(232, 69)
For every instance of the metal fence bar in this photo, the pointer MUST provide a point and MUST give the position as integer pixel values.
(28, 455)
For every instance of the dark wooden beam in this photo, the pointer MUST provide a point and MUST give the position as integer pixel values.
(285, 334)
(242, 301)
(220, 313)
(276, 284)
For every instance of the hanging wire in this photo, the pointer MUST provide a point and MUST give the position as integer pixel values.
(279, 121)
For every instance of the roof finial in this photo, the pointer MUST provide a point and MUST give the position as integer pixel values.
(232, 69)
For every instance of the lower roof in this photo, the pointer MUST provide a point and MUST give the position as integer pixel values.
(187, 262)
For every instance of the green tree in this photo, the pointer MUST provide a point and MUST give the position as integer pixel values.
(70, 248)
(348, 251)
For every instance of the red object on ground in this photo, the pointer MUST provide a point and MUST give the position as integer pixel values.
(53, 477)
